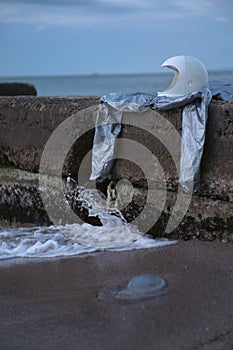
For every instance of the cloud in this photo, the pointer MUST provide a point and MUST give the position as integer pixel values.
(222, 19)
(196, 6)
(45, 13)
(55, 2)
(83, 13)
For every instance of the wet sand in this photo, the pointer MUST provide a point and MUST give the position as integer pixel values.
(67, 304)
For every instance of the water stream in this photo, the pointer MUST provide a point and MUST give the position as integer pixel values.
(114, 233)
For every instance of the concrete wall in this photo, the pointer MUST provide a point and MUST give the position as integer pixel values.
(26, 123)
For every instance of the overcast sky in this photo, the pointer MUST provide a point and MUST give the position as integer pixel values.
(57, 37)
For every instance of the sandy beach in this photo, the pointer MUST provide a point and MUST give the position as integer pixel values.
(67, 303)
(116, 186)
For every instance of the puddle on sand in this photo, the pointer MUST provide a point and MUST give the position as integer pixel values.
(139, 287)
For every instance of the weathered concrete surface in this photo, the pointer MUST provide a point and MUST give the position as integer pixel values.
(27, 123)
(67, 304)
(217, 162)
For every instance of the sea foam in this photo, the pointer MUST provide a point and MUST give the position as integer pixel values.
(75, 239)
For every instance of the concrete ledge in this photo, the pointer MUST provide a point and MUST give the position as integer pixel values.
(26, 124)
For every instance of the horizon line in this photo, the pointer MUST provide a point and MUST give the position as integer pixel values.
(69, 75)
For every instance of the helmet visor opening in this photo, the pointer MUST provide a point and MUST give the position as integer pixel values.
(175, 77)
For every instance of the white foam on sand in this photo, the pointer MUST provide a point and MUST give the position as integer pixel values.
(52, 242)
(68, 240)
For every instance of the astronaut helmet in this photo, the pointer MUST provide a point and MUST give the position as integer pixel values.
(190, 75)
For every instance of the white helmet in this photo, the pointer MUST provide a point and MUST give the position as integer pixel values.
(190, 75)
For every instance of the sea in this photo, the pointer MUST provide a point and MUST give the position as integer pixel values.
(115, 234)
(102, 84)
